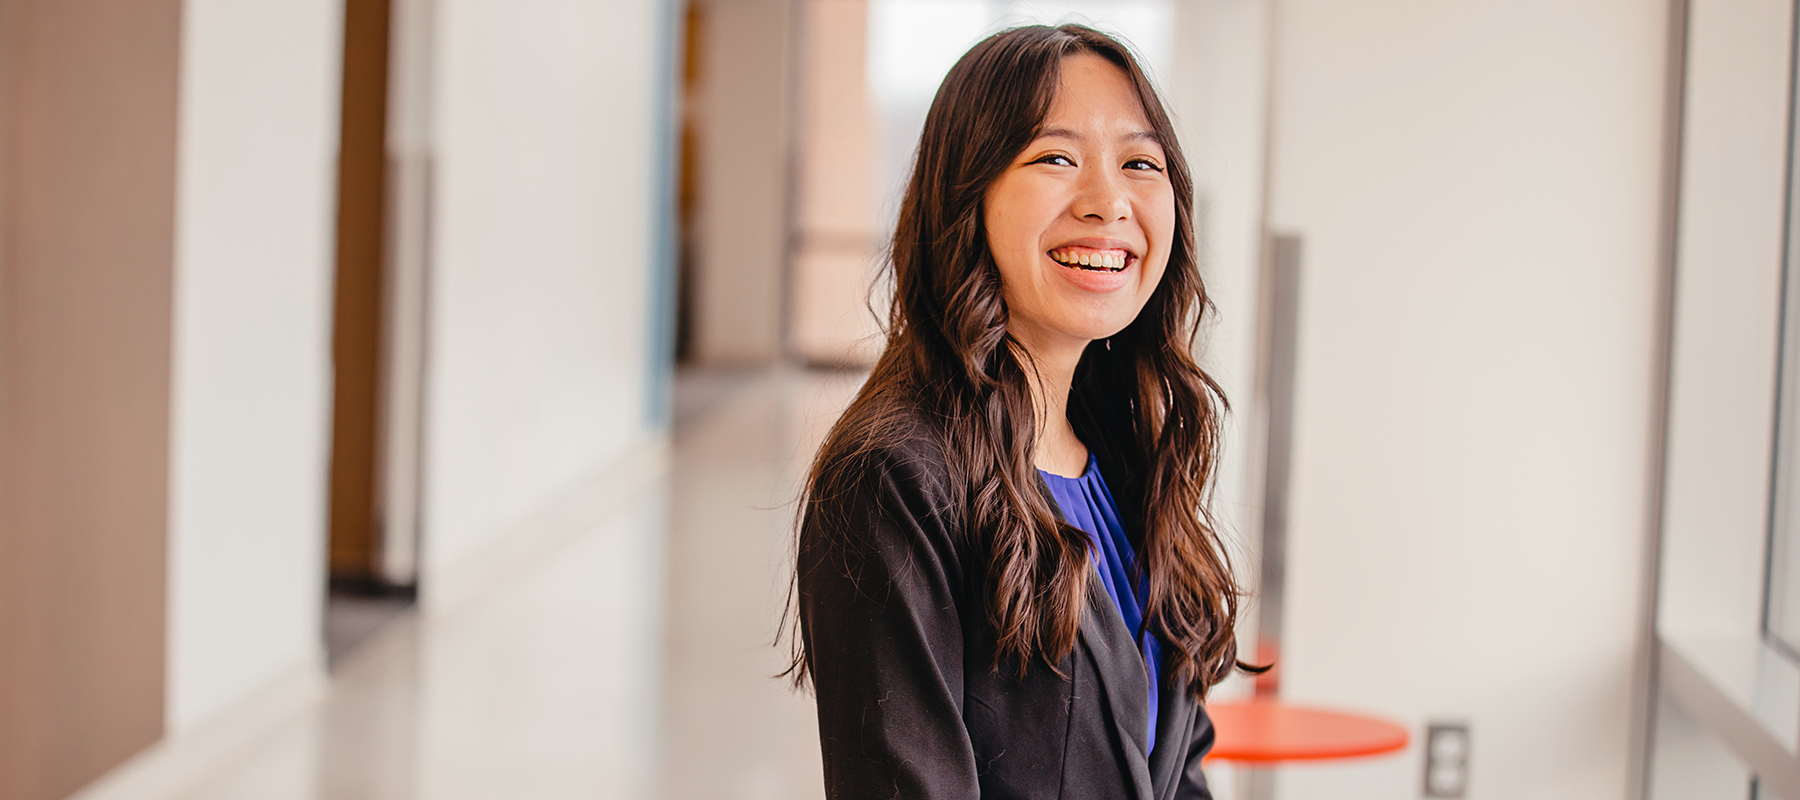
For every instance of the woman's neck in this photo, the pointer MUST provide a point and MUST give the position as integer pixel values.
(1051, 371)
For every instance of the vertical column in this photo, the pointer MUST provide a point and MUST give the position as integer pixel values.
(742, 125)
(85, 313)
(836, 231)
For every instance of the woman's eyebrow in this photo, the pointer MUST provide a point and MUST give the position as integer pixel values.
(1068, 133)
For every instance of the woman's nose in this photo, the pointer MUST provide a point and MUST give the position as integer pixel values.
(1101, 197)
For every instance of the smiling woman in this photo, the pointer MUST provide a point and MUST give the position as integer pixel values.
(975, 621)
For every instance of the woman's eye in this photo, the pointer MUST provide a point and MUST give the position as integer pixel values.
(1056, 158)
(1143, 164)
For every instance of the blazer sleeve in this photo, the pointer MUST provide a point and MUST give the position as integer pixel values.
(1193, 780)
(878, 582)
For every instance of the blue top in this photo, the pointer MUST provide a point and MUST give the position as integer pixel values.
(1087, 504)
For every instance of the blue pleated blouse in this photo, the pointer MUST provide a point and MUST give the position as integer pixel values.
(1088, 505)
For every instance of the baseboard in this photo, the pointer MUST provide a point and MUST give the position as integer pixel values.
(179, 762)
(599, 496)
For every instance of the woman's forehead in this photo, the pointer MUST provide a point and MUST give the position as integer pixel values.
(1094, 95)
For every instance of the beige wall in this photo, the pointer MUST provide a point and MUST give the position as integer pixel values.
(742, 157)
(1477, 186)
(837, 235)
(84, 384)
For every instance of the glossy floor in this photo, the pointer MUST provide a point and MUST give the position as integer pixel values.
(636, 662)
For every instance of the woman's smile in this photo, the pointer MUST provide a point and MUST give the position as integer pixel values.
(1098, 267)
(1093, 257)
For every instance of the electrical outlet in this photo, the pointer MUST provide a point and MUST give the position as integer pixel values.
(1446, 759)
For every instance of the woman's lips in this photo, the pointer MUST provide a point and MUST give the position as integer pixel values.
(1095, 276)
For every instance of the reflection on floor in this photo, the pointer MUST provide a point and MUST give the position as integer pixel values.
(634, 663)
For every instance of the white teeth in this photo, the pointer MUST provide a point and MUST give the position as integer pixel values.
(1097, 259)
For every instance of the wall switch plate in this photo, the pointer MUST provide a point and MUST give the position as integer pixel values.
(1446, 759)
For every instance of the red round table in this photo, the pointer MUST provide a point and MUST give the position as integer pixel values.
(1265, 732)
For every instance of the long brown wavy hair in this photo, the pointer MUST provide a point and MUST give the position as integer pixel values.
(1138, 399)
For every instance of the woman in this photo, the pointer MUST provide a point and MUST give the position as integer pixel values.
(1007, 584)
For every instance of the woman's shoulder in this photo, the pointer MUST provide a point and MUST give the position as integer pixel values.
(885, 438)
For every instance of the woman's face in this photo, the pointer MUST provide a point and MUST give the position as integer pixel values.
(1081, 223)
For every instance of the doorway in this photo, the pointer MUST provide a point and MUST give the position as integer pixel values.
(379, 324)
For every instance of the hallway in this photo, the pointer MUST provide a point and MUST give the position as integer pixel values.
(634, 663)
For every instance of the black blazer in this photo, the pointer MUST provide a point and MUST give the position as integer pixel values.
(892, 613)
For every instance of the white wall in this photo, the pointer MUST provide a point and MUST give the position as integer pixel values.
(1477, 187)
(252, 358)
(541, 266)
(1218, 95)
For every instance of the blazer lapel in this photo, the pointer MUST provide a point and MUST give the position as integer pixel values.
(1174, 729)
(1120, 670)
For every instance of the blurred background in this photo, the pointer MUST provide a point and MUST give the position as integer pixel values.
(407, 398)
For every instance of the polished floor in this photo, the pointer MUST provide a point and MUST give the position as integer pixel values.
(635, 662)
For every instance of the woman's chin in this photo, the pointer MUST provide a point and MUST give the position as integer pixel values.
(1102, 320)
(1091, 330)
